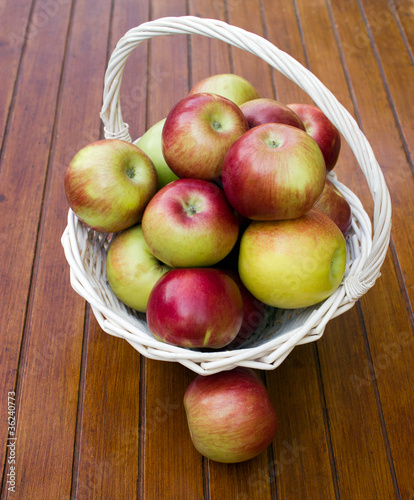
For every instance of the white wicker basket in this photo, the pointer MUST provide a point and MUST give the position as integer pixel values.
(85, 250)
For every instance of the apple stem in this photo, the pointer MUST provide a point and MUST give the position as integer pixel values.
(273, 144)
(191, 210)
(216, 125)
(130, 171)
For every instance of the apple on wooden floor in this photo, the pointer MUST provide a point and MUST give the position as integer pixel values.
(230, 415)
(190, 223)
(195, 307)
(109, 183)
(233, 87)
(273, 171)
(131, 269)
(151, 144)
(264, 110)
(293, 263)
(320, 128)
(197, 133)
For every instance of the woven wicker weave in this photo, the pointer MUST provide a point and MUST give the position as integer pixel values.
(367, 245)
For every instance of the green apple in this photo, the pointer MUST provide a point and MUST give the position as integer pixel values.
(131, 269)
(151, 144)
(234, 87)
(293, 263)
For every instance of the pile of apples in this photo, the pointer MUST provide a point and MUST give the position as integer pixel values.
(220, 209)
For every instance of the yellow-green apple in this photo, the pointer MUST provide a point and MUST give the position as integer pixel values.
(332, 203)
(197, 133)
(230, 415)
(108, 184)
(151, 144)
(264, 110)
(319, 127)
(273, 171)
(253, 312)
(195, 307)
(190, 223)
(234, 87)
(131, 269)
(293, 263)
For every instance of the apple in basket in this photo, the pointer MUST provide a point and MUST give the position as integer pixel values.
(333, 204)
(190, 223)
(197, 133)
(131, 269)
(293, 263)
(264, 110)
(195, 307)
(151, 144)
(319, 127)
(108, 184)
(230, 415)
(233, 87)
(273, 171)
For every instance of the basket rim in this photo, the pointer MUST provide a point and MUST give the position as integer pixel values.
(371, 243)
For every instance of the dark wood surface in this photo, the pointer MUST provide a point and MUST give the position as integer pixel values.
(94, 419)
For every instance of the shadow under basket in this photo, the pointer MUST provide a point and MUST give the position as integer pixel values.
(281, 330)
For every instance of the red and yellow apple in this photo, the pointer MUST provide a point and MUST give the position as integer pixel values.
(264, 110)
(190, 223)
(197, 133)
(320, 128)
(293, 263)
(195, 307)
(273, 172)
(230, 415)
(108, 184)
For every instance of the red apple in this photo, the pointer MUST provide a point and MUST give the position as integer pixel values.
(189, 223)
(195, 307)
(319, 127)
(198, 132)
(108, 184)
(273, 171)
(335, 206)
(234, 87)
(263, 110)
(230, 415)
(253, 311)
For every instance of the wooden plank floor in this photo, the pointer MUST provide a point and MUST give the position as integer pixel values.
(95, 419)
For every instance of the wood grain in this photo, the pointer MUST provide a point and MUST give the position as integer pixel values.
(23, 172)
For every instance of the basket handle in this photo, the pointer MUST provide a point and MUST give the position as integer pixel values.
(358, 281)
